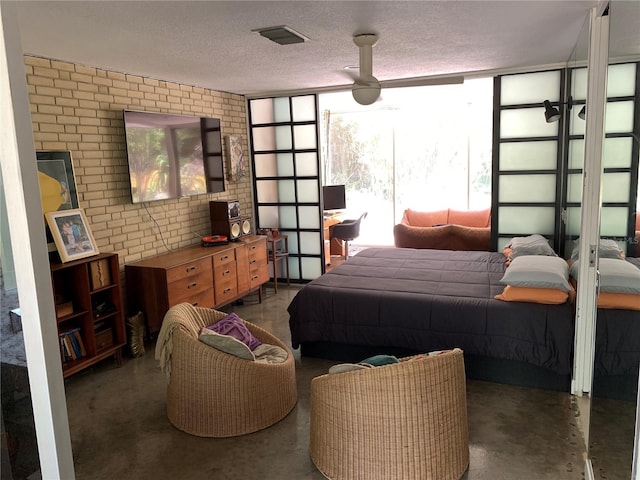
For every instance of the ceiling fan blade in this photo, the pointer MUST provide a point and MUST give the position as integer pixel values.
(421, 82)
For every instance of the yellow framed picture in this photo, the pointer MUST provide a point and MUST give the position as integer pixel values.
(71, 234)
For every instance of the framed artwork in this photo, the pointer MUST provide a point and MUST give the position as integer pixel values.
(71, 234)
(57, 182)
(236, 158)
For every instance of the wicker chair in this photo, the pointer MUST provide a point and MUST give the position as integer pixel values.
(214, 394)
(401, 421)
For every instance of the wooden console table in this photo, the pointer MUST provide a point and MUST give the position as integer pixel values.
(335, 246)
(203, 276)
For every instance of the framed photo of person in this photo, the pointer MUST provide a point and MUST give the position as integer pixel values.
(71, 234)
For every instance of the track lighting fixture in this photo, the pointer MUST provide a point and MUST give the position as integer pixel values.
(552, 114)
(583, 112)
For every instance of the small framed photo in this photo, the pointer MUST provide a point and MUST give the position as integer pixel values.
(71, 234)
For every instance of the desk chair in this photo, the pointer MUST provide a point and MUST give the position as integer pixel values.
(347, 231)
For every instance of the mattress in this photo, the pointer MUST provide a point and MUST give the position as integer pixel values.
(425, 300)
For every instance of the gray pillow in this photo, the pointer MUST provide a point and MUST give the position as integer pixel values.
(538, 272)
(531, 245)
(226, 344)
(607, 248)
(616, 275)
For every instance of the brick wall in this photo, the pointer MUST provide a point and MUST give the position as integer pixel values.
(80, 109)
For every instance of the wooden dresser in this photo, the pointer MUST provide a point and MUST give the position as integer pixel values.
(203, 276)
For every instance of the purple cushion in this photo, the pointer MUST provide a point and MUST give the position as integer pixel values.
(233, 326)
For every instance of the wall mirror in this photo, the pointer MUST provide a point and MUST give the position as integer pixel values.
(617, 340)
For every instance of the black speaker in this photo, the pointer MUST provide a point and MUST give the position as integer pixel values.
(224, 209)
(247, 226)
(226, 220)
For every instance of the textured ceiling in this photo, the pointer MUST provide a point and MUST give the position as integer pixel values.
(211, 44)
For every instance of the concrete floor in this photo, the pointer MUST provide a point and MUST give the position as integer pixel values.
(119, 427)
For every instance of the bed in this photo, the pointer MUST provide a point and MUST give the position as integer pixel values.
(617, 351)
(401, 300)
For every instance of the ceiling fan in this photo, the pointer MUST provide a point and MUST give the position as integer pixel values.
(366, 88)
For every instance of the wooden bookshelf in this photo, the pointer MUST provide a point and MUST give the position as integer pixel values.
(92, 327)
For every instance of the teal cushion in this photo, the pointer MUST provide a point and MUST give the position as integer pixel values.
(379, 360)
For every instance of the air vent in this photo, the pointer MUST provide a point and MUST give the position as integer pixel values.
(282, 35)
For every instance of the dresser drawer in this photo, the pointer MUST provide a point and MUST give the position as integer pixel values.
(201, 299)
(257, 252)
(188, 270)
(259, 274)
(225, 291)
(184, 288)
(224, 273)
(223, 258)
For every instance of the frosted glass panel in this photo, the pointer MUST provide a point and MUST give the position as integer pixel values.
(574, 188)
(293, 243)
(615, 187)
(617, 152)
(286, 191)
(307, 164)
(283, 138)
(526, 122)
(305, 136)
(281, 107)
(304, 108)
(263, 138)
(310, 243)
(530, 88)
(266, 191)
(265, 165)
(576, 153)
(502, 242)
(294, 268)
(268, 217)
(311, 268)
(309, 217)
(619, 117)
(576, 124)
(579, 84)
(613, 221)
(285, 165)
(287, 217)
(261, 111)
(526, 220)
(308, 191)
(573, 221)
(527, 188)
(621, 80)
(529, 155)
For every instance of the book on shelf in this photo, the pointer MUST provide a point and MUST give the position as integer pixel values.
(71, 345)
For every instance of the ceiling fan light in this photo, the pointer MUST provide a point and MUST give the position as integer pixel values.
(365, 94)
(551, 113)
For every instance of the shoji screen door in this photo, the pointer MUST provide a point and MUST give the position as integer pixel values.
(286, 165)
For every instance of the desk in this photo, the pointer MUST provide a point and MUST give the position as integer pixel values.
(278, 248)
(335, 246)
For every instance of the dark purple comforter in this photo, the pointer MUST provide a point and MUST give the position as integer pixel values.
(429, 300)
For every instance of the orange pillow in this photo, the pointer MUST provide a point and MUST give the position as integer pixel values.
(426, 219)
(550, 296)
(479, 218)
(624, 301)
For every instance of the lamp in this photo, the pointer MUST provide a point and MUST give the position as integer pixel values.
(551, 113)
(583, 112)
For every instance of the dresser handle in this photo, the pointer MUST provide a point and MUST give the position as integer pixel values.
(195, 304)
(227, 290)
(253, 247)
(226, 272)
(255, 277)
(192, 285)
(191, 269)
(224, 258)
(252, 261)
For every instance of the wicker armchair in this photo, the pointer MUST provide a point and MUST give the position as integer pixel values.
(214, 394)
(401, 421)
